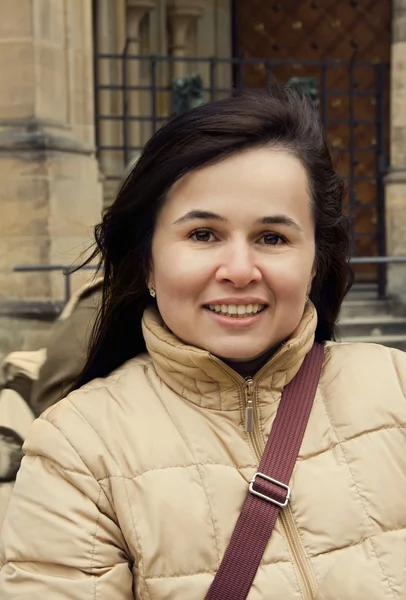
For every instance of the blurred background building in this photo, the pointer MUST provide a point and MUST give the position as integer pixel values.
(85, 83)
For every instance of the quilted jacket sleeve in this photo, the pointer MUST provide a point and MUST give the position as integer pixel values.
(60, 538)
(399, 362)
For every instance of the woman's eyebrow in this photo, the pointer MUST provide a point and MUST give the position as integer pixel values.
(279, 220)
(199, 214)
(207, 215)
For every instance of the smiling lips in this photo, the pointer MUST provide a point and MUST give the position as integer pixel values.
(236, 311)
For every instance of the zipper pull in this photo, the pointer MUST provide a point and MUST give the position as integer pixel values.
(249, 405)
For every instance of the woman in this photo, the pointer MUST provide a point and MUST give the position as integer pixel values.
(132, 485)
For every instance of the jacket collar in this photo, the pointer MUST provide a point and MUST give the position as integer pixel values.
(205, 380)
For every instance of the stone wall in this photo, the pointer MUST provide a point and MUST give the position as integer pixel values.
(396, 179)
(51, 193)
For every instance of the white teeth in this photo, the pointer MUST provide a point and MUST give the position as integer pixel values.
(237, 310)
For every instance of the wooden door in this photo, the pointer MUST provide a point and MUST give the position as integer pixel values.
(353, 97)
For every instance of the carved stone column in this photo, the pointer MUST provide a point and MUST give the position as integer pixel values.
(136, 12)
(182, 14)
(50, 193)
(396, 178)
(214, 39)
(108, 74)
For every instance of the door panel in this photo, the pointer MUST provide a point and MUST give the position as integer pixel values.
(355, 112)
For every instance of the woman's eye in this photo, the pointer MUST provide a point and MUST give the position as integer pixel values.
(273, 239)
(202, 235)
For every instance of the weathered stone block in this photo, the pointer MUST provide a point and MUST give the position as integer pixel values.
(21, 164)
(47, 219)
(396, 233)
(24, 207)
(16, 251)
(51, 93)
(48, 16)
(17, 90)
(16, 21)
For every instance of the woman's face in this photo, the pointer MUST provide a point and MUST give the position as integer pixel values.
(233, 254)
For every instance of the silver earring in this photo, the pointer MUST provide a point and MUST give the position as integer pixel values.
(152, 292)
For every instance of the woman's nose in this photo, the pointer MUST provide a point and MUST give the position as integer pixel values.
(238, 265)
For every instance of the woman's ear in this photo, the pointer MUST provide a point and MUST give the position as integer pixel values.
(312, 276)
(151, 285)
(314, 268)
(151, 280)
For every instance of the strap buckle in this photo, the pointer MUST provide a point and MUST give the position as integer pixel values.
(269, 498)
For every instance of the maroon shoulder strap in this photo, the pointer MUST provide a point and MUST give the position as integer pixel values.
(269, 487)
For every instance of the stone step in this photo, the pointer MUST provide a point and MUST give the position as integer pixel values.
(365, 318)
(362, 300)
(363, 292)
(393, 341)
(372, 325)
(364, 307)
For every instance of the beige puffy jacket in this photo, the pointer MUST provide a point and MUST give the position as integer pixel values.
(132, 485)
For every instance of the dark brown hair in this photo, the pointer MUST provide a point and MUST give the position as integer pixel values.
(280, 117)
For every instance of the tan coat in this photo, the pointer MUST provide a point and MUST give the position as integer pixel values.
(131, 486)
(67, 347)
(51, 370)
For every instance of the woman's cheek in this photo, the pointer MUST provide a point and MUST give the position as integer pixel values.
(288, 276)
(180, 276)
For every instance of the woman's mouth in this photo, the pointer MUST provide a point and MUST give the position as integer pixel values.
(236, 311)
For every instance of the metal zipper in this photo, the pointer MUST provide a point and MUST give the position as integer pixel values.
(307, 581)
(251, 418)
(249, 405)
(309, 584)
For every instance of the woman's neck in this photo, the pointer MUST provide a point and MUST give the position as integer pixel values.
(248, 368)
